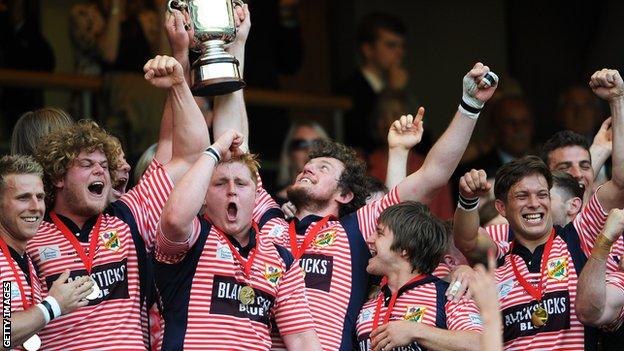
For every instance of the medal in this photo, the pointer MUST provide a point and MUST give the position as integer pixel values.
(297, 250)
(247, 295)
(539, 317)
(95, 293)
(33, 343)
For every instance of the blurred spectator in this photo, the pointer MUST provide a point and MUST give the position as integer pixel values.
(579, 111)
(390, 106)
(488, 215)
(117, 37)
(381, 41)
(34, 125)
(22, 46)
(294, 153)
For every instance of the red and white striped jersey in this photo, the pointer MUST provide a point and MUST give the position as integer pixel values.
(616, 279)
(199, 288)
(420, 302)
(32, 293)
(588, 224)
(114, 320)
(334, 264)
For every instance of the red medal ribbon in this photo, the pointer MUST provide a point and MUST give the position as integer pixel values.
(533, 291)
(93, 239)
(252, 255)
(297, 250)
(393, 299)
(16, 275)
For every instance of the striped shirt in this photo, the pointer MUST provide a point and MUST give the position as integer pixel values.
(199, 287)
(334, 264)
(32, 293)
(420, 302)
(616, 279)
(114, 320)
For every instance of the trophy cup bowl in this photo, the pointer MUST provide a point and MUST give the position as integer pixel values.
(215, 72)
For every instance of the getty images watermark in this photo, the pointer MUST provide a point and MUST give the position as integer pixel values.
(6, 314)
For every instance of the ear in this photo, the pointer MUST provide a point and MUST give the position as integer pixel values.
(366, 50)
(59, 183)
(573, 207)
(500, 207)
(345, 198)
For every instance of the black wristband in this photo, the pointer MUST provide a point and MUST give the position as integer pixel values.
(48, 307)
(469, 108)
(214, 152)
(468, 204)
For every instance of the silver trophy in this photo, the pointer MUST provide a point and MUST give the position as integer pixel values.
(215, 72)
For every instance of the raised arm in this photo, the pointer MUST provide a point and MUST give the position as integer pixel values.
(229, 109)
(403, 135)
(600, 149)
(189, 194)
(189, 137)
(469, 238)
(478, 86)
(598, 304)
(608, 85)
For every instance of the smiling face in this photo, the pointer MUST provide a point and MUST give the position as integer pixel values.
(528, 207)
(574, 160)
(384, 259)
(85, 188)
(230, 198)
(316, 187)
(22, 207)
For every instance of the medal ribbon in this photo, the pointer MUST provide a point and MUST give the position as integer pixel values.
(16, 275)
(533, 291)
(393, 299)
(297, 250)
(252, 255)
(93, 239)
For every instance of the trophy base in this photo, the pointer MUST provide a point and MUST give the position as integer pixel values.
(216, 78)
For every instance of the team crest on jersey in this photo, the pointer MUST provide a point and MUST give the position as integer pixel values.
(558, 268)
(276, 231)
(415, 313)
(504, 288)
(47, 253)
(325, 239)
(111, 240)
(272, 274)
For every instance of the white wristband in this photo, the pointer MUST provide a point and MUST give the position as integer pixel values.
(46, 314)
(55, 306)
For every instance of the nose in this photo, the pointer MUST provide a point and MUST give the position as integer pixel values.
(97, 168)
(231, 188)
(371, 239)
(36, 204)
(125, 167)
(308, 168)
(533, 201)
(575, 172)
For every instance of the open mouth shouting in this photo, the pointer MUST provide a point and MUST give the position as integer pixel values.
(96, 188)
(232, 212)
(119, 188)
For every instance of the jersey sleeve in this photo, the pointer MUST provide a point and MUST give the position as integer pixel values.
(499, 233)
(589, 222)
(463, 315)
(265, 205)
(147, 200)
(171, 252)
(292, 311)
(368, 215)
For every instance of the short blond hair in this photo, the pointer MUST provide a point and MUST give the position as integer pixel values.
(58, 150)
(34, 125)
(250, 161)
(18, 164)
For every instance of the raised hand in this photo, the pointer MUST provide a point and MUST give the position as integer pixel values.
(607, 84)
(228, 144)
(604, 136)
(180, 33)
(477, 90)
(242, 19)
(71, 296)
(474, 184)
(614, 226)
(164, 72)
(406, 131)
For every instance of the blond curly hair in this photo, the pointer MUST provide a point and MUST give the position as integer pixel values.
(58, 150)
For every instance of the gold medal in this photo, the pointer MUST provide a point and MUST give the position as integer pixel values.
(539, 317)
(247, 295)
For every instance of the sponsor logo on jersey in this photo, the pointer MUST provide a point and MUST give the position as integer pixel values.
(504, 288)
(366, 315)
(517, 319)
(47, 253)
(272, 274)
(111, 240)
(325, 239)
(224, 253)
(317, 271)
(415, 313)
(558, 268)
(225, 300)
(276, 231)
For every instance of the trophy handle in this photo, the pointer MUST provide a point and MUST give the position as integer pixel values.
(179, 5)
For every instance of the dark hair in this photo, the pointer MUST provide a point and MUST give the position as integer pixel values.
(368, 30)
(514, 171)
(568, 184)
(424, 237)
(487, 212)
(562, 139)
(353, 177)
(374, 185)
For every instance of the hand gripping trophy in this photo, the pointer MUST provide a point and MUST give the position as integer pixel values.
(215, 72)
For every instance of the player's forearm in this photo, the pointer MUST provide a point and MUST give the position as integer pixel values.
(305, 341)
(25, 324)
(599, 155)
(465, 230)
(230, 113)
(591, 290)
(491, 337)
(163, 150)
(617, 112)
(190, 135)
(452, 340)
(397, 166)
